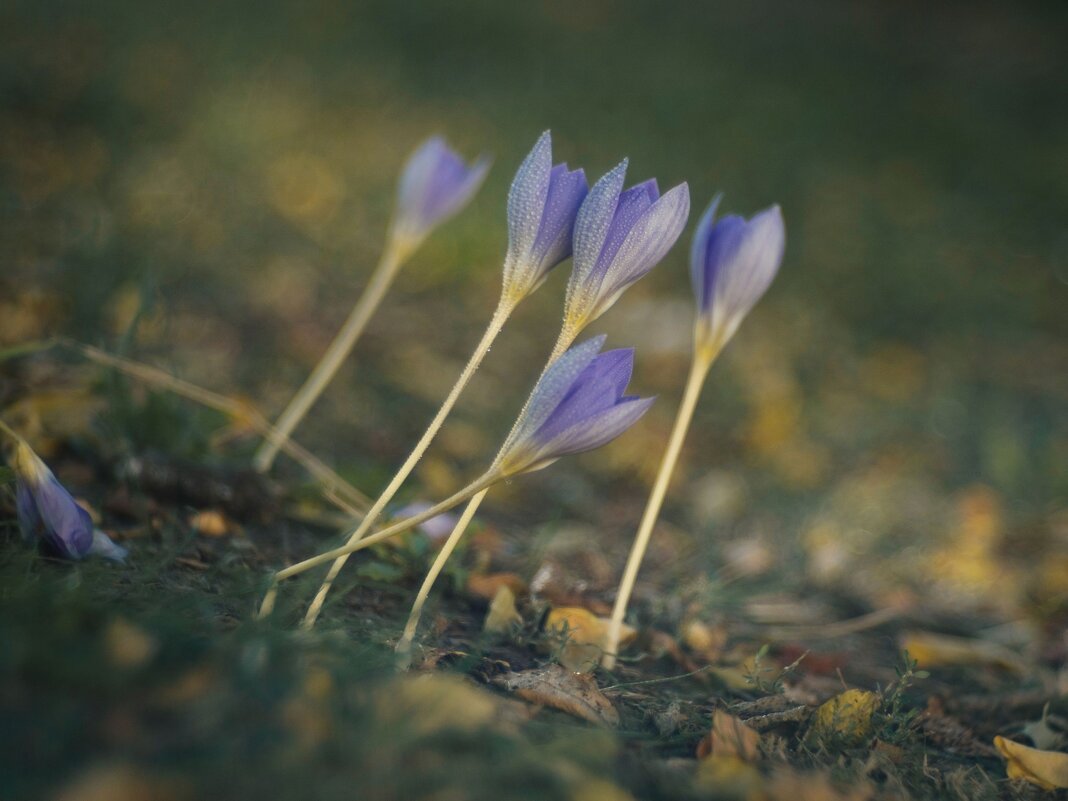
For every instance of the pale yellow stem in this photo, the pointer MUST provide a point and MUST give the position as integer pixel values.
(404, 647)
(392, 258)
(505, 307)
(698, 370)
(400, 527)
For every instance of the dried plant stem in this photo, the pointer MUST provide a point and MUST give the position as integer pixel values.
(404, 647)
(476, 486)
(505, 307)
(4, 427)
(698, 370)
(349, 496)
(392, 258)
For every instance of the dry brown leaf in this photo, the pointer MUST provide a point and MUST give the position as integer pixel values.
(1047, 769)
(559, 688)
(941, 650)
(502, 614)
(485, 585)
(729, 737)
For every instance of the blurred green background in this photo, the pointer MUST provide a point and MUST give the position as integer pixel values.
(207, 185)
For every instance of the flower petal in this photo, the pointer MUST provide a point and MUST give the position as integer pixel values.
(592, 225)
(567, 190)
(633, 203)
(649, 240)
(526, 198)
(434, 185)
(591, 433)
(554, 385)
(106, 549)
(746, 270)
(598, 388)
(698, 249)
(67, 526)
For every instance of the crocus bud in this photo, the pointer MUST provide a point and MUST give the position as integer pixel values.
(732, 263)
(47, 512)
(435, 185)
(542, 204)
(578, 405)
(619, 237)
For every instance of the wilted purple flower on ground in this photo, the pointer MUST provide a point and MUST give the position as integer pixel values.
(732, 263)
(542, 205)
(619, 237)
(435, 185)
(48, 513)
(578, 405)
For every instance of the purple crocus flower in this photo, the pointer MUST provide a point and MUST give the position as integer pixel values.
(542, 204)
(619, 237)
(732, 263)
(578, 405)
(435, 185)
(47, 513)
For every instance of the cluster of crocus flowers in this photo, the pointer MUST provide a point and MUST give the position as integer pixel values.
(617, 236)
(542, 203)
(49, 515)
(435, 185)
(732, 263)
(620, 235)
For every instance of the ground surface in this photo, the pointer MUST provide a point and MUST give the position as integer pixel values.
(876, 465)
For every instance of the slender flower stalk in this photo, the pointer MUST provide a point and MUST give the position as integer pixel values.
(434, 186)
(542, 204)
(577, 405)
(620, 235)
(732, 262)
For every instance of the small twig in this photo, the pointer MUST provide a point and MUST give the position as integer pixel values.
(334, 485)
(657, 681)
(842, 628)
(796, 714)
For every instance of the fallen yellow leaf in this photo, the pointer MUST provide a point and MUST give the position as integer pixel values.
(1047, 769)
(585, 634)
(846, 717)
(502, 613)
(128, 645)
(934, 650)
(210, 523)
